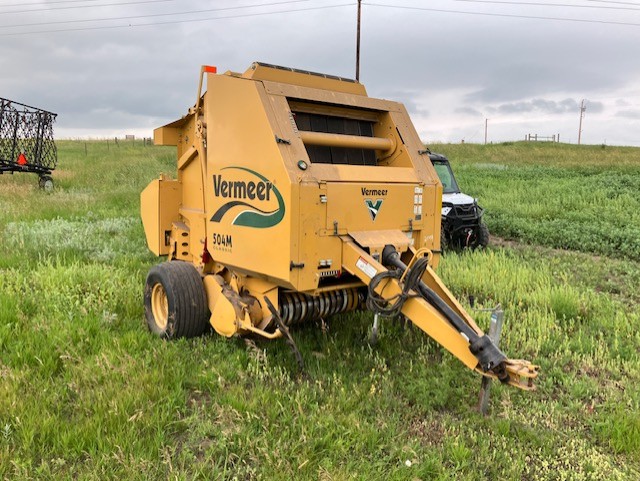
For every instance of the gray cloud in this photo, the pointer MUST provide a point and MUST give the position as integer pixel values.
(629, 114)
(439, 65)
(469, 111)
(544, 106)
(409, 100)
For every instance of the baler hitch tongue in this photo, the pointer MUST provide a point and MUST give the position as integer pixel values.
(418, 293)
(492, 361)
(521, 373)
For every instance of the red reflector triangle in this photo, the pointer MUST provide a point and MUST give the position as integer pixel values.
(22, 159)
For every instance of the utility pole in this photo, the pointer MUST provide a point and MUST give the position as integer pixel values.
(358, 43)
(583, 107)
(486, 123)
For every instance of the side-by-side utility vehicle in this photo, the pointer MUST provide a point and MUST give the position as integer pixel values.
(462, 224)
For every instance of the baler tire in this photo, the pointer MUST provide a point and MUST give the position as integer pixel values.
(175, 303)
(443, 241)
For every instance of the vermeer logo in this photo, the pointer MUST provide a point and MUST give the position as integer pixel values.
(257, 191)
(374, 208)
(366, 191)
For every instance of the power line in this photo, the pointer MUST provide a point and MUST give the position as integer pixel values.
(541, 4)
(74, 7)
(505, 15)
(171, 22)
(137, 17)
(40, 3)
(151, 15)
(617, 3)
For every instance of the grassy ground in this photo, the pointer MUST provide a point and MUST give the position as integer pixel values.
(87, 393)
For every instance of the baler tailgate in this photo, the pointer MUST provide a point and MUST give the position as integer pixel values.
(449, 325)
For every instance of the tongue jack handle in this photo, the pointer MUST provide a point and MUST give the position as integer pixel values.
(489, 356)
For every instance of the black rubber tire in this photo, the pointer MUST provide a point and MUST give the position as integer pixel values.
(482, 237)
(46, 183)
(443, 242)
(186, 313)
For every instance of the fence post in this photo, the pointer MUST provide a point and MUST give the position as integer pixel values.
(495, 330)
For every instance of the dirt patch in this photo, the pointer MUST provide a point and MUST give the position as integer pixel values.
(429, 431)
(198, 399)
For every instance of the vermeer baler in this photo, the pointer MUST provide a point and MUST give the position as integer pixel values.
(299, 197)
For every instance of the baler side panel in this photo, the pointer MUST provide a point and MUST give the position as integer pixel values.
(190, 176)
(321, 254)
(356, 206)
(159, 204)
(291, 151)
(248, 190)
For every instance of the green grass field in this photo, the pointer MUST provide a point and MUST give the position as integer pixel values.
(87, 393)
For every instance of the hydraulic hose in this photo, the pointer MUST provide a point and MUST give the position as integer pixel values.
(489, 356)
(392, 306)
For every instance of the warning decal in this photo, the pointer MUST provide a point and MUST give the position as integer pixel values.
(365, 267)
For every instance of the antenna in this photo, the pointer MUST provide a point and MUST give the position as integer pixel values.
(358, 43)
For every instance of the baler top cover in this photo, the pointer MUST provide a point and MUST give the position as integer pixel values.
(294, 159)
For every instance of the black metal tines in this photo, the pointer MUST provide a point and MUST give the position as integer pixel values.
(26, 138)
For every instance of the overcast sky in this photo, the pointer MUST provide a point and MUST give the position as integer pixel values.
(453, 63)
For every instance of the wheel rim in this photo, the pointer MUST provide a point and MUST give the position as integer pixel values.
(48, 185)
(160, 306)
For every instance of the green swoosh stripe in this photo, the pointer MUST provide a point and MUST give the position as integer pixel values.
(253, 218)
(217, 217)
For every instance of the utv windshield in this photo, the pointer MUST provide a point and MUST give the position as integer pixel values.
(443, 169)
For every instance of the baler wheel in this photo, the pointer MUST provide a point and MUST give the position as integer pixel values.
(175, 303)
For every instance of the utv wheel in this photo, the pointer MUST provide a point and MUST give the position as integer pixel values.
(443, 242)
(175, 303)
(482, 237)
